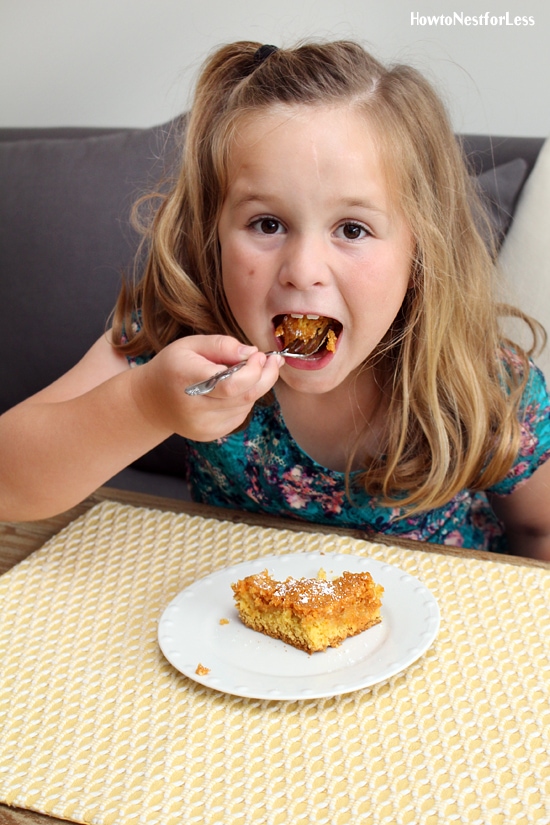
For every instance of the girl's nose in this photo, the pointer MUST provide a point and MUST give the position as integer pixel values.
(305, 264)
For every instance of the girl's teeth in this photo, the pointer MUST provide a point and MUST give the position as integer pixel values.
(309, 317)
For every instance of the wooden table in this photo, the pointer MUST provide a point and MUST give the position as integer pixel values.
(17, 541)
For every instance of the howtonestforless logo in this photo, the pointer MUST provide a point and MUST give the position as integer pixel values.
(458, 18)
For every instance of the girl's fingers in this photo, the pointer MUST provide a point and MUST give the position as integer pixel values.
(218, 349)
(221, 411)
(251, 381)
(200, 357)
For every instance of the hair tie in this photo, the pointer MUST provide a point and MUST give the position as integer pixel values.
(263, 53)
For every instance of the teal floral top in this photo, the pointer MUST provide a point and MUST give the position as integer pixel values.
(262, 469)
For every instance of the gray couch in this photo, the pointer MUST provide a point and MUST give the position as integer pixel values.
(65, 238)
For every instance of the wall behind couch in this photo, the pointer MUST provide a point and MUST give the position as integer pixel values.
(132, 62)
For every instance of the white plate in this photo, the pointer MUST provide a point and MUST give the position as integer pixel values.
(246, 663)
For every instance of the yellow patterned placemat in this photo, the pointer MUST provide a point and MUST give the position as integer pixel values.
(97, 727)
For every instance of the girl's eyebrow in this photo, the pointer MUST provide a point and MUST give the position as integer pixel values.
(362, 203)
(346, 202)
(249, 198)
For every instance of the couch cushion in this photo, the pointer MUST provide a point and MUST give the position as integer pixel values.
(525, 254)
(484, 152)
(499, 189)
(65, 238)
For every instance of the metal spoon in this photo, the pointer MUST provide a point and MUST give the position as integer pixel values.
(299, 348)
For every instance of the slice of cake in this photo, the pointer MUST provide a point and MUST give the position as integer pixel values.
(310, 614)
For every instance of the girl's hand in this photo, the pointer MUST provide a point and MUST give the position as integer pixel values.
(159, 386)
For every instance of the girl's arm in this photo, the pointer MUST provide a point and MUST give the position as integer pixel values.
(526, 515)
(62, 443)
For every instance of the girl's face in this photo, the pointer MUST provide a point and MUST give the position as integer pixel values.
(308, 228)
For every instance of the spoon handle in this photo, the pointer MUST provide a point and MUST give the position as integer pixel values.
(204, 387)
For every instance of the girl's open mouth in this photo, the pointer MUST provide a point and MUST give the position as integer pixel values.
(300, 330)
(295, 328)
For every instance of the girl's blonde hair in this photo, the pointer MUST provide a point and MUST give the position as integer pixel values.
(453, 394)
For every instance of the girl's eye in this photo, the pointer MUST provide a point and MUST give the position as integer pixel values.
(267, 226)
(352, 231)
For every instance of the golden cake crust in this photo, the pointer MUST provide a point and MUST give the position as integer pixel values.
(309, 613)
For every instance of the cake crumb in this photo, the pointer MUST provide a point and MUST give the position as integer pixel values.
(331, 341)
(224, 621)
(202, 670)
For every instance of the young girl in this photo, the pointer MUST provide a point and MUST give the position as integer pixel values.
(313, 182)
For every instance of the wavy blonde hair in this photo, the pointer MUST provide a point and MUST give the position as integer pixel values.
(453, 396)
